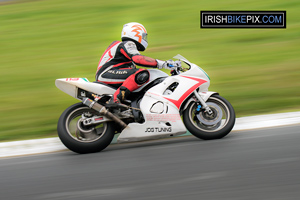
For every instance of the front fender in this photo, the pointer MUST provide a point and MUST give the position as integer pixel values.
(204, 95)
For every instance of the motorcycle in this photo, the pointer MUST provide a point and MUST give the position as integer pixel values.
(166, 106)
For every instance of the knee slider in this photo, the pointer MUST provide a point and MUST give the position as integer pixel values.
(142, 77)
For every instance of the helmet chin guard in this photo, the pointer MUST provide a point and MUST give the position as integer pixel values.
(137, 33)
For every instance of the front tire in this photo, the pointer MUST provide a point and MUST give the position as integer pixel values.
(83, 139)
(208, 127)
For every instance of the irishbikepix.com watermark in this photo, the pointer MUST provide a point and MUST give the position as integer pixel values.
(243, 19)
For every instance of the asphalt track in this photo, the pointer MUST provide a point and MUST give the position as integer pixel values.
(245, 165)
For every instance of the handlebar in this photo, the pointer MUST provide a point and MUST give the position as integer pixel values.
(175, 70)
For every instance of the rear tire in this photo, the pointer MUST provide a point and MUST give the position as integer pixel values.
(91, 139)
(208, 127)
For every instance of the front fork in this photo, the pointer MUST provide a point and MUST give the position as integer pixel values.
(202, 102)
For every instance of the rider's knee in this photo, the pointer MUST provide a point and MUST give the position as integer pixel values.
(142, 77)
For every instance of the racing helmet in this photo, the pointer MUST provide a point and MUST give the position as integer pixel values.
(137, 33)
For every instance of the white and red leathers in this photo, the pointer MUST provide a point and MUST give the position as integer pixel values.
(117, 67)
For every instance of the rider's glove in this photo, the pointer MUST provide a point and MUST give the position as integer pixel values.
(169, 64)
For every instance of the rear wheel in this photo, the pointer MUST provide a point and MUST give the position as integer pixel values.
(214, 126)
(80, 138)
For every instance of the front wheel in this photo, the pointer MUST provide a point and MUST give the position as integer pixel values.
(214, 126)
(80, 138)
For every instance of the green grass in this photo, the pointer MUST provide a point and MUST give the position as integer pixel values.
(257, 70)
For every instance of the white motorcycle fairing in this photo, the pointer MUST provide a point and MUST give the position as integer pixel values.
(160, 108)
(71, 85)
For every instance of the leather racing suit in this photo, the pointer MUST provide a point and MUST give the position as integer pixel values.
(117, 67)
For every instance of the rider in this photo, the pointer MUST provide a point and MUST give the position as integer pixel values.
(117, 66)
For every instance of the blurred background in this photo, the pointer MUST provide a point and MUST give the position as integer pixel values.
(257, 70)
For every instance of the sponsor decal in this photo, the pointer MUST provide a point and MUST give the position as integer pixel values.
(163, 117)
(158, 130)
(72, 79)
(117, 72)
(100, 118)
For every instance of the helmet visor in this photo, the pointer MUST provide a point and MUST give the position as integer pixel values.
(145, 36)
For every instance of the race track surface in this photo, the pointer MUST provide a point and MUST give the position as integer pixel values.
(246, 165)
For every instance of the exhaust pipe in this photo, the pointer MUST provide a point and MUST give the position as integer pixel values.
(102, 110)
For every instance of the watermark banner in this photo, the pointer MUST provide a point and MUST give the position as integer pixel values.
(243, 19)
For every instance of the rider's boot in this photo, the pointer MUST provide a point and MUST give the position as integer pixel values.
(132, 83)
(119, 96)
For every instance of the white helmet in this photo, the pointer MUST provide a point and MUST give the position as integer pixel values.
(137, 33)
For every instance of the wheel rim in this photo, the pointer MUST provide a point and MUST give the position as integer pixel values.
(81, 133)
(210, 123)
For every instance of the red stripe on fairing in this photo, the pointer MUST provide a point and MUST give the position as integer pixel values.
(178, 102)
(108, 49)
(125, 54)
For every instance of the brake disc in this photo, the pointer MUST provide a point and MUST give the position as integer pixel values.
(212, 119)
